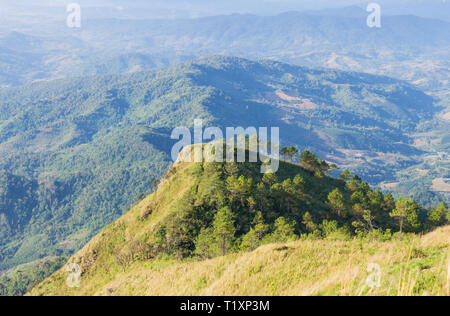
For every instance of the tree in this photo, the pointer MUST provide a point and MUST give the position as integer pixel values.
(239, 190)
(284, 231)
(253, 238)
(345, 175)
(388, 202)
(309, 161)
(308, 222)
(269, 179)
(289, 153)
(354, 184)
(337, 203)
(231, 169)
(259, 226)
(204, 242)
(437, 216)
(407, 211)
(224, 230)
(369, 218)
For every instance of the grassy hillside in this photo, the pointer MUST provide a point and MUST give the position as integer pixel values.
(158, 247)
(415, 266)
(76, 153)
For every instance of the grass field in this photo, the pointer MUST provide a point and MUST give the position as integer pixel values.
(413, 266)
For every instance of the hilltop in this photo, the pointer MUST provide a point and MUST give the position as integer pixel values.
(165, 244)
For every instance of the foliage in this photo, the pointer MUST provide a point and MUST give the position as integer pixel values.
(23, 280)
(407, 211)
(77, 152)
(254, 237)
(197, 216)
(283, 231)
(289, 153)
(438, 216)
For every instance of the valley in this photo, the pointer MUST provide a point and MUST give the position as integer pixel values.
(114, 136)
(86, 116)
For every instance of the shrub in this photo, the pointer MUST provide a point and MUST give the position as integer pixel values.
(284, 231)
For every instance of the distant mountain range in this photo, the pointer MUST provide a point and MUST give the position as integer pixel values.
(406, 47)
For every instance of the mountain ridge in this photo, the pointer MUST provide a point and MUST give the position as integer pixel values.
(144, 244)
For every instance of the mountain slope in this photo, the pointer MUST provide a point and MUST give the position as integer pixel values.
(86, 147)
(129, 258)
(299, 268)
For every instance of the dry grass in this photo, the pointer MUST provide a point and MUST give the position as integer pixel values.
(419, 266)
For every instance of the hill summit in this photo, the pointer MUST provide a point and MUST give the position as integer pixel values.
(225, 211)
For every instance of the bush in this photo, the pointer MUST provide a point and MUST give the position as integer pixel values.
(135, 251)
(284, 231)
(332, 231)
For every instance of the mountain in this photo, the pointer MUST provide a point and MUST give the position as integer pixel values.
(406, 47)
(197, 235)
(75, 153)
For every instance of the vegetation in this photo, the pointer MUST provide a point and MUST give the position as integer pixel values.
(23, 279)
(206, 210)
(409, 266)
(76, 153)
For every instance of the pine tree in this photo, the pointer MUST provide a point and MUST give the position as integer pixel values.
(204, 242)
(284, 231)
(407, 211)
(308, 222)
(345, 175)
(224, 230)
(289, 153)
(337, 203)
(437, 216)
(253, 238)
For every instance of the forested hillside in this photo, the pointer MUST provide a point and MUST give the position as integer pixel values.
(76, 153)
(208, 210)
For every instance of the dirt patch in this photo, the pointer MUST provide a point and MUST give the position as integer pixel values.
(392, 185)
(446, 116)
(422, 172)
(290, 100)
(441, 185)
(306, 105)
(286, 97)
